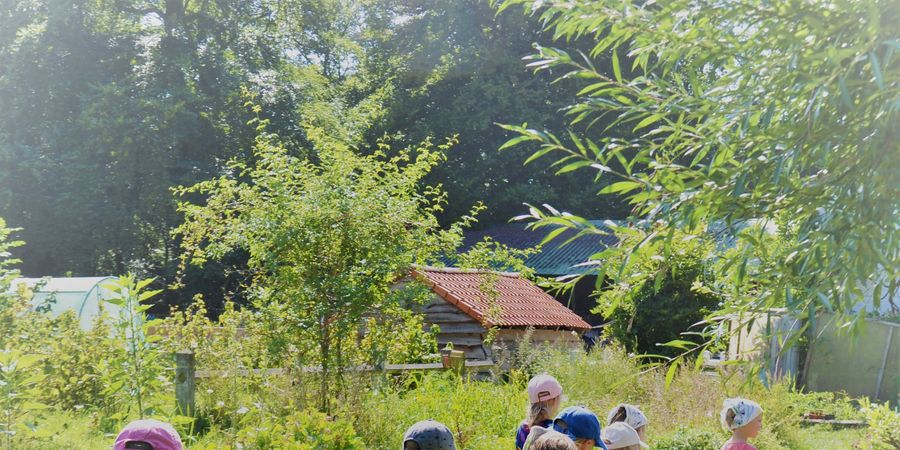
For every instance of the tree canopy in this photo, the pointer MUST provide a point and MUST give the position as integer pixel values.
(108, 105)
(781, 113)
(327, 241)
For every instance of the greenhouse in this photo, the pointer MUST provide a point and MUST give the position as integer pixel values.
(83, 295)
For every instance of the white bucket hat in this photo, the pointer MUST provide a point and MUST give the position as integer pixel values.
(621, 435)
(633, 416)
(744, 412)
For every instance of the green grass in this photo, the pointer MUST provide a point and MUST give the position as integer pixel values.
(818, 437)
(484, 414)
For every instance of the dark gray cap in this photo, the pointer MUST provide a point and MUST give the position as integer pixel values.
(430, 435)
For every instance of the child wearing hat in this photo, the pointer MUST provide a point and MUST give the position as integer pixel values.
(744, 419)
(544, 397)
(581, 425)
(148, 434)
(428, 435)
(622, 436)
(631, 415)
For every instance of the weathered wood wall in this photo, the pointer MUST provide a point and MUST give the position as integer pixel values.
(457, 327)
(468, 335)
(510, 337)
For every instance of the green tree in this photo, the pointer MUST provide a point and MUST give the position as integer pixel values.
(326, 240)
(456, 69)
(109, 104)
(657, 299)
(738, 111)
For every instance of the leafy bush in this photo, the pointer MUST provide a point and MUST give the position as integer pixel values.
(19, 378)
(654, 300)
(478, 413)
(835, 404)
(303, 430)
(884, 426)
(326, 239)
(75, 362)
(136, 368)
(687, 439)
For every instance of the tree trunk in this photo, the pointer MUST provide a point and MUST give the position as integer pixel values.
(325, 356)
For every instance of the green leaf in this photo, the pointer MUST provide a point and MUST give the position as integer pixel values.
(824, 300)
(680, 344)
(573, 166)
(514, 141)
(34, 406)
(876, 70)
(620, 187)
(845, 94)
(149, 294)
(617, 71)
(670, 374)
(553, 234)
(538, 154)
(653, 118)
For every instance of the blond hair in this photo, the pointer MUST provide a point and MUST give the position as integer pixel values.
(553, 440)
(541, 411)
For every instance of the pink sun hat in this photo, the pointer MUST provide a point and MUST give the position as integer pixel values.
(148, 434)
(543, 387)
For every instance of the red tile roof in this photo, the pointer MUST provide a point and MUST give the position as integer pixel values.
(521, 302)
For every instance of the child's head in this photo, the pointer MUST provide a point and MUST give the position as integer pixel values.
(622, 436)
(631, 415)
(742, 417)
(544, 397)
(552, 440)
(428, 435)
(148, 434)
(581, 425)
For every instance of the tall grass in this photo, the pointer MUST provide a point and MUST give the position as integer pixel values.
(261, 414)
(484, 414)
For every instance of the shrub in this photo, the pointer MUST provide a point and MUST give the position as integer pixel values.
(304, 430)
(884, 426)
(19, 378)
(654, 300)
(687, 439)
(75, 361)
(136, 369)
(480, 414)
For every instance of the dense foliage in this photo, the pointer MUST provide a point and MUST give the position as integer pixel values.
(55, 376)
(109, 104)
(656, 299)
(730, 112)
(327, 241)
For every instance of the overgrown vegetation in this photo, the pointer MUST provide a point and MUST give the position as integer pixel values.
(728, 113)
(264, 411)
(708, 116)
(327, 241)
(656, 299)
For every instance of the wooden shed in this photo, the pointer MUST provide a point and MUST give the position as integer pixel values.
(465, 303)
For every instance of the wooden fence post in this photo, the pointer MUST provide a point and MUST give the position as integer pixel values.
(457, 361)
(185, 367)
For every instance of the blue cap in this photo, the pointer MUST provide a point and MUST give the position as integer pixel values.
(578, 422)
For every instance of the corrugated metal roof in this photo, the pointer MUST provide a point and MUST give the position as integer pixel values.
(521, 303)
(554, 258)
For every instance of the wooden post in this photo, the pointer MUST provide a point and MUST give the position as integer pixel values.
(184, 382)
(457, 361)
(884, 360)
